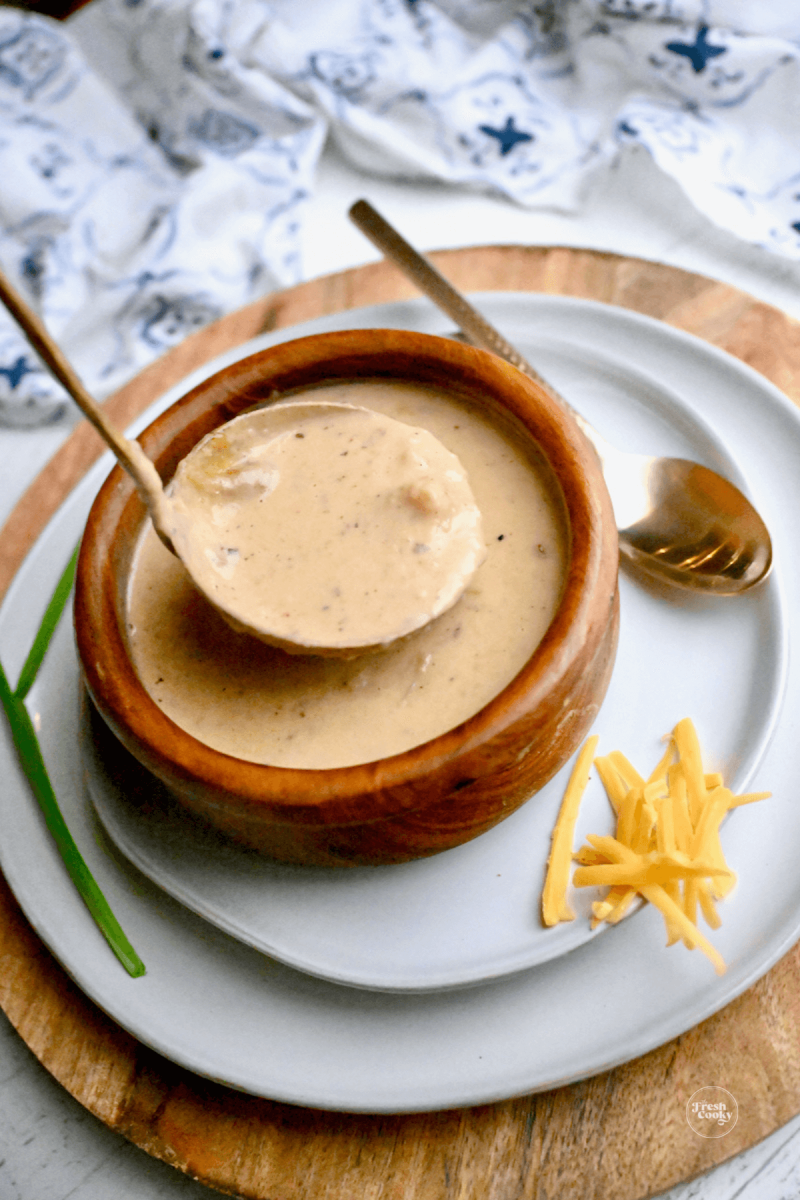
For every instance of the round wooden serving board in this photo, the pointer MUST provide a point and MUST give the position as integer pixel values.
(619, 1136)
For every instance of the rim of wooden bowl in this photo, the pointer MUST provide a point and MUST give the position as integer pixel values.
(590, 582)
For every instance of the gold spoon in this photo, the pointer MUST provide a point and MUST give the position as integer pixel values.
(679, 522)
(129, 454)
(214, 520)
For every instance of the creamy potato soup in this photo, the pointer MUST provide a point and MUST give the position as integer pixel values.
(324, 527)
(256, 702)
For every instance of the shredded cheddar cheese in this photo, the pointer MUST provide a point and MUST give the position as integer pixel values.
(554, 897)
(666, 847)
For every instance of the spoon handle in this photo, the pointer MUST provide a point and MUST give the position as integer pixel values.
(434, 285)
(129, 453)
(475, 327)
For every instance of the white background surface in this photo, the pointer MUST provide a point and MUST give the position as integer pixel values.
(50, 1148)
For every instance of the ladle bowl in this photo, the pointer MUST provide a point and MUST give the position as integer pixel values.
(325, 528)
(417, 496)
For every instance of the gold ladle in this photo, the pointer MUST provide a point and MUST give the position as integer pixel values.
(404, 493)
(679, 522)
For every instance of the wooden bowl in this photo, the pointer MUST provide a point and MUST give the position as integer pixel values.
(436, 795)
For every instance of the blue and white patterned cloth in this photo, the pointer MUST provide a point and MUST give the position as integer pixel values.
(155, 154)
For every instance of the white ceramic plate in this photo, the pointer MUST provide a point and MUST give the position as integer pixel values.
(473, 914)
(227, 1011)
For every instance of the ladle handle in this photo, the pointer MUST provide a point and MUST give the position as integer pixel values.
(129, 454)
(434, 285)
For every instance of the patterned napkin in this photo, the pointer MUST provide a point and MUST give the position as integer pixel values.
(155, 155)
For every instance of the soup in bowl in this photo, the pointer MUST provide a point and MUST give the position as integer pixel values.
(409, 749)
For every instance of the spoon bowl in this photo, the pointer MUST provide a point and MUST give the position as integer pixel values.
(700, 531)
(679, 522)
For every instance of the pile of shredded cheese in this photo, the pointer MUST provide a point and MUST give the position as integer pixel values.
(666, 846)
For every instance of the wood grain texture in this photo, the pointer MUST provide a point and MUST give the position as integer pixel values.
(619, 1136)
(431, 797)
